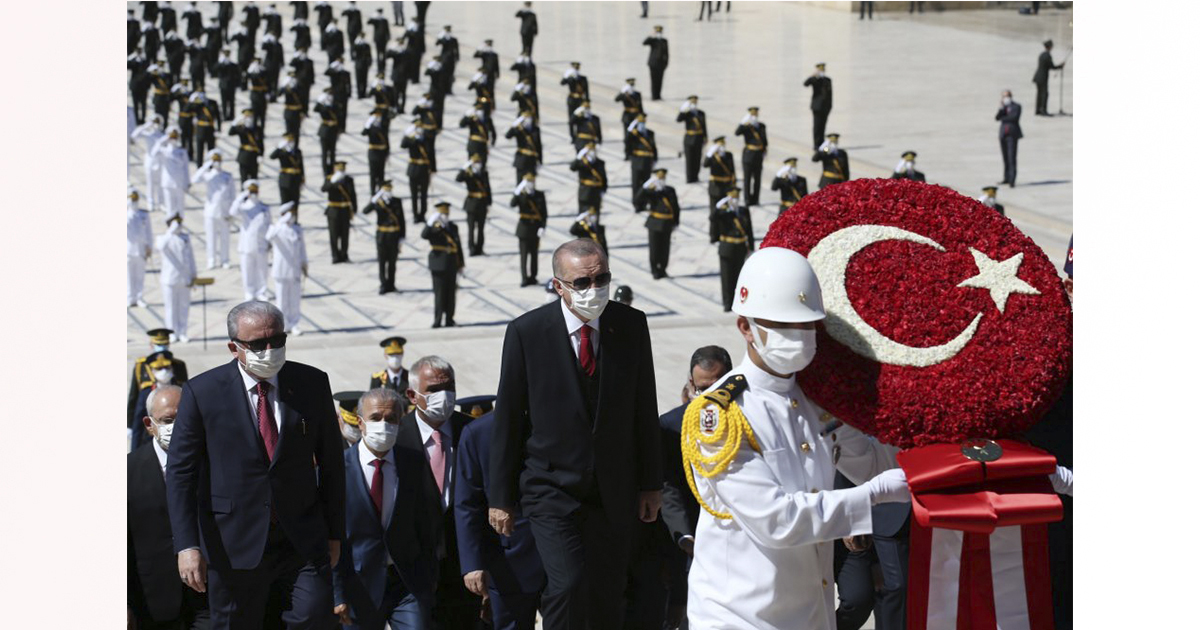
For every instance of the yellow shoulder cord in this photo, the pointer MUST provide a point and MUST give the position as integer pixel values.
(730, 429)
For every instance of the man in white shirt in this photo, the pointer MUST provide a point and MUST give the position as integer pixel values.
(175, 179)
(177, 275)
(138, 242)
(252, 242)
(290, 265)
(219, 193)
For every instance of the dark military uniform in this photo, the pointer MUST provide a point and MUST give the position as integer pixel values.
(722, 175)
(529, 101)
(401, 58)
(632, 104)
(196, 65)
(293, 108)
(245, 53)
(143, 378)
(821, 105)
(532, 217)
(526, 70)
(529, 29)
(659, 56)
(385, 102)
(584, 229)
(593, 182)
(694, 139)
(174, 48)
(587, 129)
(388, 233)
(643, 152)
(479, 198)
(437, 91)
(752, 158)
(303, 36)
(258, 97)
(339, 80)
(577, 93)
(449, 46)
(419, 162)
(445, 259)
(664, 217)
(426, 118)
(381, 33)
(913, 174)
(735, 233)
(384, 380)
(485, 90)
(305, 77)
(360, 54)
(272, 21)
(835, 167)
(353, 22)
(186, 118)
(377, 153)
(229, 76)
(338, 211)
(328, 134)
(162, 95)
(291, 173)
(324, 15)
(479, 132)
(791, 190)
(272, 64)
(490, 62)
(249, 149)
(529, 149)
(333, 43)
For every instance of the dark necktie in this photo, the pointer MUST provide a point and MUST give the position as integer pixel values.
(377, 487)
(586, 360)
(266, 420)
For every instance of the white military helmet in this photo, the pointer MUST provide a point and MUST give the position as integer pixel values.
(778, 284)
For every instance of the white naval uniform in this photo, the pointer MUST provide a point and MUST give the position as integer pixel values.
(218, 197)
(138, 241)
(178, 272)
(174, 178)
(252, 244)
(287, 268)
(770, 567)
(151, 135)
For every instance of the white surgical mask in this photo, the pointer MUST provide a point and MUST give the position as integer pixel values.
(163, 434)
(164, 375)
(787, 350)
(159, 347)
(439, 406)
(379, 435)
(394, 361)
(351, 433)
(590, 302)
(1007, 100)
(265, 364)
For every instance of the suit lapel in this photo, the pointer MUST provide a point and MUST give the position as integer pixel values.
(248, 424)
(561, 354)
(608, 355)
(359, 484)
(289, 409)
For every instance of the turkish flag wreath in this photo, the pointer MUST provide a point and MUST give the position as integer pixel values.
(944, 323)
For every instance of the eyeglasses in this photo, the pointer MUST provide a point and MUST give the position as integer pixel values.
(583, 282)
(258, 345)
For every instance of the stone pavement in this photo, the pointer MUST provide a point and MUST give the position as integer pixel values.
(930, 83)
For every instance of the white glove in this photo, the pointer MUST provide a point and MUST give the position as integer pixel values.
(889, 486)
(1063, 481)
(434, 219)
(541, 231)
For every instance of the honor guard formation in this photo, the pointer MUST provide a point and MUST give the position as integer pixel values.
(571, 488)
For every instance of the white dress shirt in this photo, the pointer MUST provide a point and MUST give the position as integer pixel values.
(447, 446)
(251, 385)
(162, 455)
(394, 377)
(575, 326)
(365, 457)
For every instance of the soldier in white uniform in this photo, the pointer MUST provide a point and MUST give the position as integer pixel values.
(178, 275)
(151, 132)
(289, 266)
(763, 550)
(138, 242)
(252, 242)
(219, 192)
(175, 178)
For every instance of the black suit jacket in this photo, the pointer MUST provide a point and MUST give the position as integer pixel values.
(680, 511)
(154, 590)
(427, 501)
(548, 451)
(1010, 121)
(1045, 65)
(221, 489)
(822, 95)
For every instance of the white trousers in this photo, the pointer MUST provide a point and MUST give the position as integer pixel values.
(287, 298)
(216, 232)
(173, 200)
(136, 265)
(154, 186)
(176, 300)
(254, 275)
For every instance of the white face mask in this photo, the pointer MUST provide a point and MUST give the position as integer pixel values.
(159, 348)
(380, 436)
(164, 375)
(163, 434)
(1007, 100)
(338, 176)
(351, 433)
(787, 350)
(590, 302)
(439, 406)
(265, 364)
(393, 362)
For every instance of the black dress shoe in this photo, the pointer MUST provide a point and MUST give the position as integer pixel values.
(437, 324)
(383, 290)
(450, 322)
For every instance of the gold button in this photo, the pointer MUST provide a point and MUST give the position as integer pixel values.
(825, 416)
(824, 583)
(804, 446)
(795, 403)
(814, 491)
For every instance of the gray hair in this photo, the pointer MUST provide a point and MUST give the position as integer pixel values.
(254, 309)
(578, 248)
(436, 363)
(156, 397)
(381, 394)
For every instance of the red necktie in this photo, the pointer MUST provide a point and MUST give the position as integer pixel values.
(266, 420)
(377, 487)
(437, 461)
(585, 350)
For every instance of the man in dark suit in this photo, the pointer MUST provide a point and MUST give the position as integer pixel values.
(507, 568)
(680, 511)
(1010, 132)
(386, 577)
(822, 102)
(428, 443)
(659, 57)
(256, 481)
(529, 27)
(1042, 78)
(154, 597)
(577, 387)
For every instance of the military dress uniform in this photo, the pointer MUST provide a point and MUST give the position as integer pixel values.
(294, 106)
(730, 225)
(389, 231)
(532, 211)
(526, 98)
(643, 153)
(161, 91)
(663, 206)
(272, 55)
(387, 378)
(489, 60)
(353, 21)
(587, 129)
(229, 76)
(821, 104)
(250, 147)
(695, 136)
(420, 163)
(378, 150)
(449, 45)
(256, 77)
(182, 95)
(479, 198)
(835, 164)
(143, 376)
(426, 118)
(305, 75)
(593, 179)
(338, 211)
(339, 80)
(755, 134)
(631, 104)
(291, 170)
(480, 131)
(385, 100)
(381, 33)
(722, 173)
(587, 225)
(906, 168)
(989, 199)
(659, 57)
(529, 27)
(485, 89)
(445, 262)
(791, 185)
(328, 133)
(529, 147)
(577, 92)
(206, 116)
(360, 54)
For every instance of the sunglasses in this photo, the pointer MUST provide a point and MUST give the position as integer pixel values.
(583, 282)
(258, 345)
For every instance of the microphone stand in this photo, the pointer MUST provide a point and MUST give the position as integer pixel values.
(1061, 81)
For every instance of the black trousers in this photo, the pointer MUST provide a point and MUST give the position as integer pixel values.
(529, 258)
(258, 111)
(475, 147)
(752, 164)
(206, 140)
(585, 560)
(185, 136)
(660, 252)
(476, 219)
(340, 105)
(647, 587)
(703, 7)
(444, 288)
(291, 122)
(376, 161)
(227, 96)
(855, 586)
(1008, 150)
(512, 611)
(731, 266)
(289, 188)
(892, 552)
(527, 43)
(247, 165)
(819, 119)
(339, 233)
(589, 197)
(360, 78)
(525, 164)
(284, 590)
(454, 607)
(193, 614)
(328, 153)
(1043, 96)
(656, 78)
(139, 107)
(198, 78)
(866, 8)
(387, 247)
(693, 149)
(639, 172)
(418, 188)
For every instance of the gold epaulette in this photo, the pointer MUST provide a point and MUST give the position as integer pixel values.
(381, 375)
(716, 421)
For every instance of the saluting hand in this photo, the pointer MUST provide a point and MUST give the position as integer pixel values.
(501, 520)
(648, 504)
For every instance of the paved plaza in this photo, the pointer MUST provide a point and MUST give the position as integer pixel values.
(928, 82)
